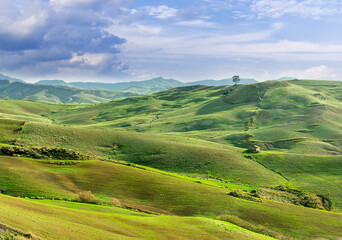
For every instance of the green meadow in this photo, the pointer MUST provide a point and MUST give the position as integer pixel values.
(175, 165)
(67, 220)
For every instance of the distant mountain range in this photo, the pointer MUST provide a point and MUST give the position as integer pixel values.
(59, 91)
(143, 87)
(58, 94)
(4, 77)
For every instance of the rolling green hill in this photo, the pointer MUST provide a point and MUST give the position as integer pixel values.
(291, 116)
(158, 192)
(85, 221)
(57, 94)
(165, 152)
(181, 152)
(319, 174)
(146, 87)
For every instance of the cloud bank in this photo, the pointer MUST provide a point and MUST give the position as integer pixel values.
(60, 36)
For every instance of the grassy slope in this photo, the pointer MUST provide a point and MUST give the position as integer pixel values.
(158, 192)
(269, 111)
(58, 94)
(28, 110)
(170, 153)
(9, 129)
(298, 117)
(306, 114)
(47, 220)
(316, 174)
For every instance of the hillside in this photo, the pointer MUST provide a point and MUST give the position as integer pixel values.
(290, 116)
(223, 82)
(150, 191)
(57, 94)
(105, 222)
(181, 153)
(145, 87)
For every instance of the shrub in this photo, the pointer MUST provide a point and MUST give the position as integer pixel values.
(44, 152)
(116, 202)
(8, 235)
(87, 197)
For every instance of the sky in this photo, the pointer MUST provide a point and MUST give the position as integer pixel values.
(120, 40)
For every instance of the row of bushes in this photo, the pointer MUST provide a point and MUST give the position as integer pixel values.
(44, 153)
(296, 197)
(250, 197)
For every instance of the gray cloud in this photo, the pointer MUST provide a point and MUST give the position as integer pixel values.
(38, 37)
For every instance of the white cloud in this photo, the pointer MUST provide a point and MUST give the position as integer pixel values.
(38, 38)
(196, 23)
(277, 8)
(26, 26)
(64, 4)
(306, 8)
(72, 3)
(135, 29)
(90, 59)
(23, 19)
(161, 12)
(321, 72)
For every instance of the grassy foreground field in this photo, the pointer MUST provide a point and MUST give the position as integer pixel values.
(67, 220)
(154, 191)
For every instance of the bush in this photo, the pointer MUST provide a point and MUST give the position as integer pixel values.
(44, 152)
(87, 197)
(116, 202)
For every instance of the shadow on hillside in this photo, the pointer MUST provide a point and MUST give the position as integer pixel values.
(214, 106)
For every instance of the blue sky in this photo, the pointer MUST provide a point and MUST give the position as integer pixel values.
(117, 40)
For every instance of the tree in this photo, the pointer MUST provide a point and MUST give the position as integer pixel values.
(236, 79)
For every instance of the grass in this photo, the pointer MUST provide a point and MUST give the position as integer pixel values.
(154, 191)
(310, 173)
(28, 110)
(269, 111)
(58, 94)
(195, 136)
(56, 220)
(165, 152)
(9, 129)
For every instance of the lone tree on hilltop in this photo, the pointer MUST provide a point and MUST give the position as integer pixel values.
(236, 79)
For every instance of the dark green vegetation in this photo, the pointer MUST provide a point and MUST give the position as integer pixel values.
(57, 94)
(179, 152)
